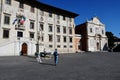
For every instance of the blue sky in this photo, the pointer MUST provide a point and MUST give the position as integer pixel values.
(108, 11)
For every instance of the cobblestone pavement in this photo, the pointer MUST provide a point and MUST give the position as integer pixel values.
(77, 66)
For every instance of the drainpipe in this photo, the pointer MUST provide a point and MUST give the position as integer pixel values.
(38, 34)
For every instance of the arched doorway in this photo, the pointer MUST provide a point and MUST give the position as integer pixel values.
(24, 49)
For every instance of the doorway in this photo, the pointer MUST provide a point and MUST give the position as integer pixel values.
(98, 46)
(24, 49)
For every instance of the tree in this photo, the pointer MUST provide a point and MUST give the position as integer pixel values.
(110, 39)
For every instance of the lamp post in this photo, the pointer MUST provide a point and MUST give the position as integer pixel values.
(37, 45)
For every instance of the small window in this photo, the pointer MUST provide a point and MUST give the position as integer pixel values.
(41, 27)
(102, 31)
(19, 34)
(50, 46)
(64, 30)
(50, 14)
(58, 46)
(32, 9)
(42, 37)
(31, 24)
(91, 30)
(41, 12)
(58, 29)
(58, 38)
(31, 35)
(70, 30)
(64, 18)
(70, 39)
(65, 46)
(50, 38)
(70, 19)
(5, 33)
(7, 19)
(71, 46)
(21, 5)
(58, 16)
(50, 28)
(64, 39)
(8, 2)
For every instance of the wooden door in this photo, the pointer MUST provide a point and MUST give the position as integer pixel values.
(24, 49)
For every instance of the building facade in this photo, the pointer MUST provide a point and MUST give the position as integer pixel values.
(77, 43)
(27, 26)
(93, 36)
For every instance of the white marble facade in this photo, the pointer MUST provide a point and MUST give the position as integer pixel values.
(21, 25)
(96, 34)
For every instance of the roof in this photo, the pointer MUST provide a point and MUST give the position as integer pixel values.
(49, 8)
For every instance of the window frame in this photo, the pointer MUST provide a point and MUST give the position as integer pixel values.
(7, 19)
(64, 30)
(31, 34)
(50, 38)
(19, 34)
(32, 9)
(6, 34)
(50, 28)
(32, 24)
(21, 5)
(8, 2)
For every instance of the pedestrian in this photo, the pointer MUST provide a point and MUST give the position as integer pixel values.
(38, 58)
(55, 57)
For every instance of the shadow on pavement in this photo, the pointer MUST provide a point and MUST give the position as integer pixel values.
(47, 64)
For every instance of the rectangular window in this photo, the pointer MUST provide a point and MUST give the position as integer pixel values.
(58, 29)
(70, 30)
(70, 39)
(102, 31)
(31, 35)
(71, 46)
(50, 38)
(58, 46)
(7, 19)
(31, 24)
(65, 46)
(58, 38)
(8, 2)
(41, 27)
(5, 33)
(41, 12)
(50, 46)
(64, 18)
(32, 9)
(70, 19)
(91, 30)
(21, 5)
(58, 17)
(50, 14)
(19, 34)
(64, 39)
(64, 30)
(50, 28)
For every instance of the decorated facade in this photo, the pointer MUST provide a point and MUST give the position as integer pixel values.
(27, 26)
(93, 35)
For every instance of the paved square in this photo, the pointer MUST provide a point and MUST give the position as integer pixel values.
(78, 66)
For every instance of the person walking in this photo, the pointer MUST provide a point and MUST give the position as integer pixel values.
(38, 57)
(55, 57)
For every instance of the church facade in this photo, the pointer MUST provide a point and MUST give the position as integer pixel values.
(93, 35)
(27, 26)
